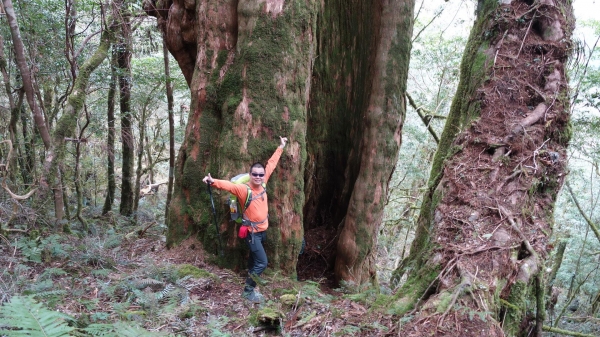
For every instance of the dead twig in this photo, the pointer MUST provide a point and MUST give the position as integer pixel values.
(525, 37)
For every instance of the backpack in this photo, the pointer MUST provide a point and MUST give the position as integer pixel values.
(235, 209)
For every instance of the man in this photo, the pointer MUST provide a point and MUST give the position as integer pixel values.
(256, 217)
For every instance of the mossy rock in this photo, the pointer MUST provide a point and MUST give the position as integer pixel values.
(290, 299)
(269, 316)
(184, 270)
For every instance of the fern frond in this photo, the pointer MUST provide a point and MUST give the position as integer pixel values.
(50, 272)
(165, 292)
(182, 280)
(147, 282)
(118, 329)
(26, 317)
(50, 293)
(185, 298)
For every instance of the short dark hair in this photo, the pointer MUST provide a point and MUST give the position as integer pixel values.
(257, 164)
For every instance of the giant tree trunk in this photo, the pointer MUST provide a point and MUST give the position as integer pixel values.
(478, 256)
(377, 132)
(249, 66)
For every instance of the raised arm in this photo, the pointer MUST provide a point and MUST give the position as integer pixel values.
(272, 163)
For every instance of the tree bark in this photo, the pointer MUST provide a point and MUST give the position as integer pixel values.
(249, 65)
(169, 93)
(26, 75)
(110, 141)
(66, 124)
(381, 126)
(127, 141)
(485, 224)
(38, 114)
(14, 111)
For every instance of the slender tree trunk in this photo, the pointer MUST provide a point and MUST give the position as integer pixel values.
(78, 188)
(46, 180)
(558, 258)
(29, 167)
(110, 141)
(66, 124)
(65, 197)
(140, 155)
(485, 224)
(169, 92)
(14, 112)
(26, 75)
(127, 141)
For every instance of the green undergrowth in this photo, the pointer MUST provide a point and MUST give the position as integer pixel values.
(114, 283)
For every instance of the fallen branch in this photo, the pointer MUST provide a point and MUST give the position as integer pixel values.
(566, 332)
(148, 189)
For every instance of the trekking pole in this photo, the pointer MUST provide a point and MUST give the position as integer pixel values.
(212, 202)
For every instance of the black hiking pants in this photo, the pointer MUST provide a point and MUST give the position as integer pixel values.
(257, 261)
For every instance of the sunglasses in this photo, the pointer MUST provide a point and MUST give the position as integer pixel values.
(258, 174)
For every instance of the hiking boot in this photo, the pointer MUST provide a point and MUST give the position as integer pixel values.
(253, 296)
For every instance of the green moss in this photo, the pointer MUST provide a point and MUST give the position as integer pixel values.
(268, 316)
(414, 288)
(184, 270)
(445, 299)
(290, 299)
(514, 308)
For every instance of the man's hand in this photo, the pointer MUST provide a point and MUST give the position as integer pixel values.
(208, 179)
(283, 141)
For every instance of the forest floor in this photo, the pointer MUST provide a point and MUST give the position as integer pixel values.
(123, 280)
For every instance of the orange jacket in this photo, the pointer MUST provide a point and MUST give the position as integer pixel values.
(258, 209)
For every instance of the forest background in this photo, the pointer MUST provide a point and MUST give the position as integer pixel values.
(61, 38)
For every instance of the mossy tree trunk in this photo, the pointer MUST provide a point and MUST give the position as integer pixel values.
(110, 138)
(248, 67)
(66, 124)
(127, 141)
(14, 112)
(477, 260)
(334, 85)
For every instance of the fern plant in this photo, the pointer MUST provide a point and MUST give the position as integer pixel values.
(118, 329)
(23, 316)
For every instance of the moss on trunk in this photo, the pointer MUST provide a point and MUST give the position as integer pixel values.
(486, 220)
(65, 127)
(251, 85)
